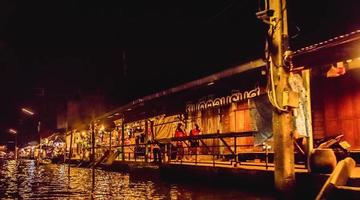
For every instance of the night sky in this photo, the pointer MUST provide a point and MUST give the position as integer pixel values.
(129, 49)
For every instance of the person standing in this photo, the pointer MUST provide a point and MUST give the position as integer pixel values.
(179, 144)
(157, 153)
(194, 144)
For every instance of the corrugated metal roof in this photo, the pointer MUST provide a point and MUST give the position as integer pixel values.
(355, 35)
(328, 52)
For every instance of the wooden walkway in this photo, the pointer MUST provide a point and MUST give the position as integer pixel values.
(243, 165)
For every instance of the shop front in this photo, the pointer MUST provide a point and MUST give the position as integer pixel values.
(231, 102)
(335, 88)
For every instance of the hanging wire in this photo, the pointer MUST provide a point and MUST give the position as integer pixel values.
(227, 7)
(268, 48)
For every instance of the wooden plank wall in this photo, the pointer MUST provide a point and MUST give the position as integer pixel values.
(336, 107)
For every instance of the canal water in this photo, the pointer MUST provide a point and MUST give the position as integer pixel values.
(23, 179)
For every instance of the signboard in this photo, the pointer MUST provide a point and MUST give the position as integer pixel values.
(222, 101)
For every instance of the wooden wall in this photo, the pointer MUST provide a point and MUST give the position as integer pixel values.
(336, 107)
(231, 118)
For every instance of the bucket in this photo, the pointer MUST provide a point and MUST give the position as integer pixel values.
(322, 161)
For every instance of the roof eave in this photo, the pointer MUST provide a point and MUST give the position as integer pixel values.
(254, 64)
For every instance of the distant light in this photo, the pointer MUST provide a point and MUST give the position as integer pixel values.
(336, 71)
(129, 109)
(117, 114)
(27, 111)
(109, 116)
(102, 128)
(211, 83)
(12, 131)
(349, 61)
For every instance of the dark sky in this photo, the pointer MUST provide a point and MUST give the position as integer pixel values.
(67, 46)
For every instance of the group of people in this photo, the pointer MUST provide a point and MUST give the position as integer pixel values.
(194, 144)
(178, 147)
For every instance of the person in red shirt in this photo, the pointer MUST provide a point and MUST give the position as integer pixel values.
(179, 144)
(194, 144)
(195, 131)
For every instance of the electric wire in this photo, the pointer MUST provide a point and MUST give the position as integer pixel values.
(227, 7)
(271, 89)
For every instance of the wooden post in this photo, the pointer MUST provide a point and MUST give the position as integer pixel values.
(309, 139)
(153, 136)
(213, 152)
(110, 141)
(168, 146)
(16, 146)
(92, 141)
(146, 140)
(123, 140)
(235, 153)
(266, 157)
(40, 145)
(66, 130)
(282, 117)
(70, 150)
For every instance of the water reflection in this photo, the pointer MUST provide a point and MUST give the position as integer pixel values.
(22, 179)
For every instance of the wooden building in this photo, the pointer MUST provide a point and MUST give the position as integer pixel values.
(220, 103)
(335, 86)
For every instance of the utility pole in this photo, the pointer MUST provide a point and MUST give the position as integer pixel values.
(282, 117)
